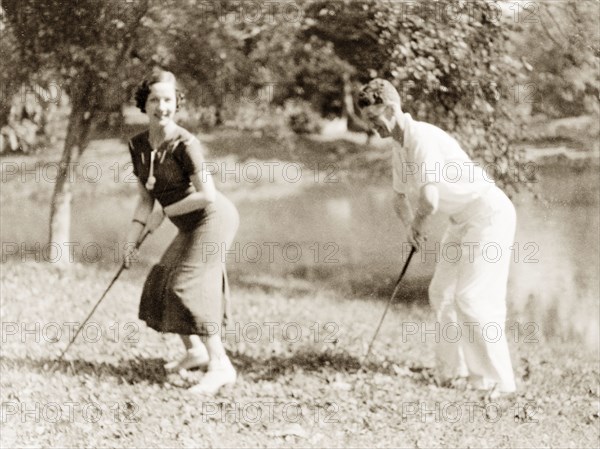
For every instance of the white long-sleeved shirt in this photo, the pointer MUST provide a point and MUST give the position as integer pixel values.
(430, 155)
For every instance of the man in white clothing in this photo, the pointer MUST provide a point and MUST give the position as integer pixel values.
(468, 289)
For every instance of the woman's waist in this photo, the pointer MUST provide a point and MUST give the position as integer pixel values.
(172, 194)
(191, 220)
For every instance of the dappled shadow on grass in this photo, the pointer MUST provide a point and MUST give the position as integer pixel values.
(261, 368)
(127, 371)
(151, 371)
(272, 368)
(381, 287)
(346, 284)
(269, 284)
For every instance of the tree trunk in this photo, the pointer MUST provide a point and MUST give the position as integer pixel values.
(8, 139)
(5, 107)
(60, 208)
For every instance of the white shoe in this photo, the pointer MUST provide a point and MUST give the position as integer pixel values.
(498, 394)
(219, 373)
(488, 388)
(194, 358)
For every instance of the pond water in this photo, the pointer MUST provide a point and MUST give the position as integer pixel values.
(345, 235)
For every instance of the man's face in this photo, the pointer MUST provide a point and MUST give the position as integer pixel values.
(381, 118)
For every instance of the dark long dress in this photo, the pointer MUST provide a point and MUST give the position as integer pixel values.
(186, 292)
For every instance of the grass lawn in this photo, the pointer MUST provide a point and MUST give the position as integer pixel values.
(298, 352)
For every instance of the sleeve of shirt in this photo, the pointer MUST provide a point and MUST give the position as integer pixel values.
(134, 161)
(429, 161)
(192, 156)
(398, 179)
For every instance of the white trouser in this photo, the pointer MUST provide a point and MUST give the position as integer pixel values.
(469, 291)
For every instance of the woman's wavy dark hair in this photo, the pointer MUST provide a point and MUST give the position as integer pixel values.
(157, 76)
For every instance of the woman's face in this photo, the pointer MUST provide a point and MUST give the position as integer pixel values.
(161, 104)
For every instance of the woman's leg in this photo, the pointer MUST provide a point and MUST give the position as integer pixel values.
(196, 355)
(214, 346)
(191, 341)
(220, 370)
(221, 229)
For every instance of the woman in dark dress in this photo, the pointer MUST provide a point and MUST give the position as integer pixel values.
(186, 292)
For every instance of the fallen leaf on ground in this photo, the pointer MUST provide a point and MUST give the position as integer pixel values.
(292, 429)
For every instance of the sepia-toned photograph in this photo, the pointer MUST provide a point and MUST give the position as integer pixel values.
(300, 223)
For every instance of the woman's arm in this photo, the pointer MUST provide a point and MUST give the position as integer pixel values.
(143, 218)
(204, 195)
(143, 209)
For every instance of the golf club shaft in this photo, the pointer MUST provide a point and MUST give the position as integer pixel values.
(137, 245)
(404, 268)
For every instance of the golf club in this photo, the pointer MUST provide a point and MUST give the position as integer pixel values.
(404, 268)
(137, 245)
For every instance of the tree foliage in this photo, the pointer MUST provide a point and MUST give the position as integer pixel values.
(78, 44)
(19, 118)
(565, 60)
(448, 60)
(82, 47)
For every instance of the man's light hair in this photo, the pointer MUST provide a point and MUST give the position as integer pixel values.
(377, 91)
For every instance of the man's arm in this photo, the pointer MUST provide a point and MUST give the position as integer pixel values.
(429, 199)
(403, 209)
